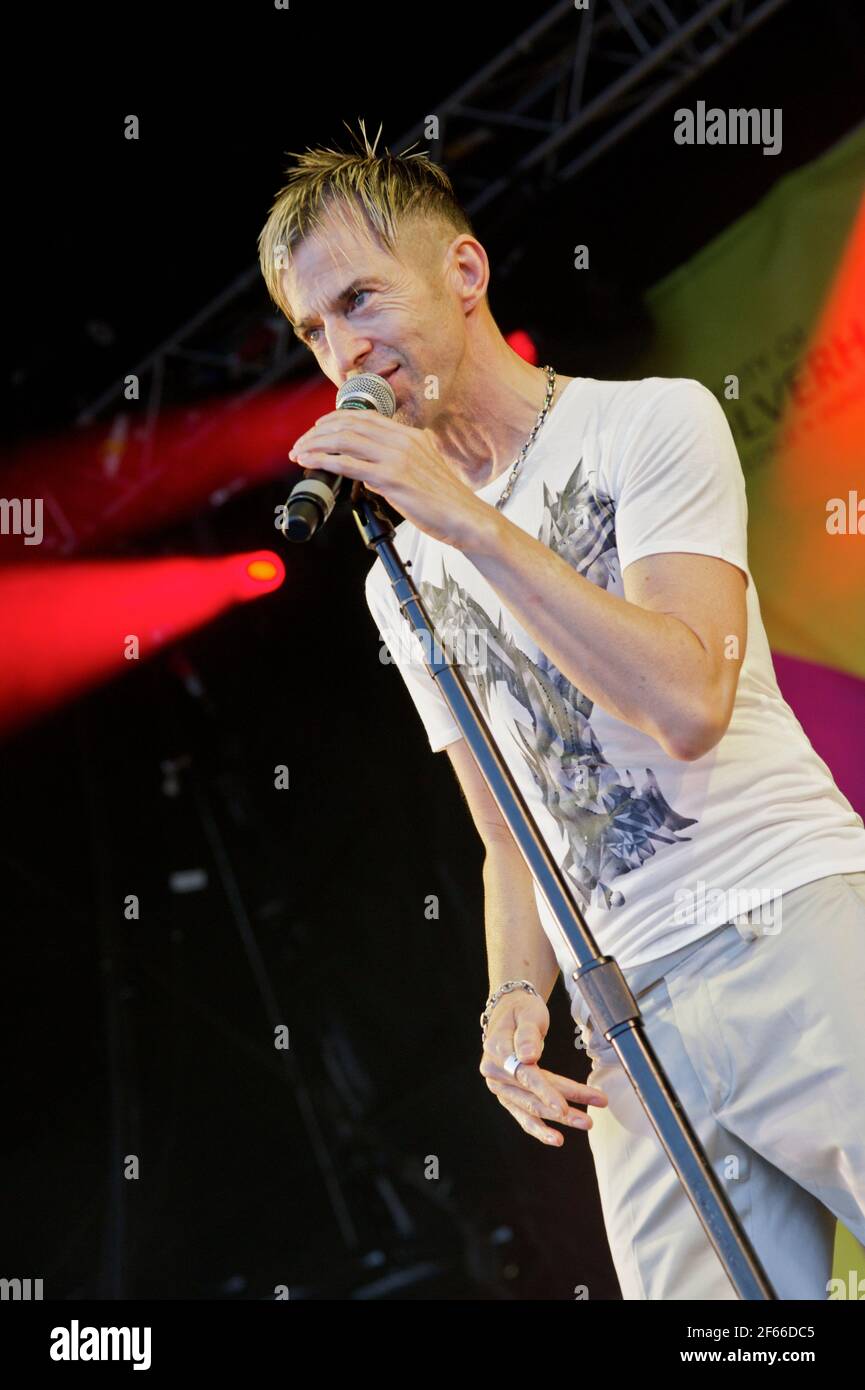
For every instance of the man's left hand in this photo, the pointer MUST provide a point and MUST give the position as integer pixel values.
(400, 463)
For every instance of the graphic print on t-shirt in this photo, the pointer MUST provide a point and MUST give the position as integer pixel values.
(610, 824)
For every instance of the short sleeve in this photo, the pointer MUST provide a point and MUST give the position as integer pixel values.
(676, 479)
(406, 652)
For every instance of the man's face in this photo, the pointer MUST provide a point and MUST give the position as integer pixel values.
(358, 309)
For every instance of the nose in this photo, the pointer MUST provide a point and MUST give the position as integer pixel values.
(348, 349)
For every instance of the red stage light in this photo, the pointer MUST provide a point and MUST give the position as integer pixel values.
(524, 344)
(65, 627)
(258, 574)
(261, 569)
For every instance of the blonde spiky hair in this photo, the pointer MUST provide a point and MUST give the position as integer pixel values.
(374, 194)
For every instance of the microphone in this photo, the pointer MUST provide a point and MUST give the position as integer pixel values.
(312, 500)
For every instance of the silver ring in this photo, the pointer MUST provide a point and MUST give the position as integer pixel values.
(511, 1063)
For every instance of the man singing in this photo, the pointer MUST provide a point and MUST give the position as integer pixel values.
(583, 545)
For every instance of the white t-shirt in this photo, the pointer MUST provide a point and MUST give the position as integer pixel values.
(658, 851)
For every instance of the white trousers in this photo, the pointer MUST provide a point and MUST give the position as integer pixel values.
(763, 1039)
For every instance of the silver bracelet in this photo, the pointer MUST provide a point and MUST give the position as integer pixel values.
(494, 998)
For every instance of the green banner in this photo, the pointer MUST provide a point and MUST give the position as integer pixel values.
(771, 317)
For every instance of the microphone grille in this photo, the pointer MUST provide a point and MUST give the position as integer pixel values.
(366, 392)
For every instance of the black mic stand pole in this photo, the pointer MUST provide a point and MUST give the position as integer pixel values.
(600, 980)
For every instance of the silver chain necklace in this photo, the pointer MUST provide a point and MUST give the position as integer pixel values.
(551, 386)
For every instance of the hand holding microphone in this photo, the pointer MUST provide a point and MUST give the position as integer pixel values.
(402, 463)
(312, 500)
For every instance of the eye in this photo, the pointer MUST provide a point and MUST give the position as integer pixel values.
(309, 338)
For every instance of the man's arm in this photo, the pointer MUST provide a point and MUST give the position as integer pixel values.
(660, 658)
(517, 945)
(665, 655)
(518, 949)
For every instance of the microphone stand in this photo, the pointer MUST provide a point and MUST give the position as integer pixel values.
(601, 982)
